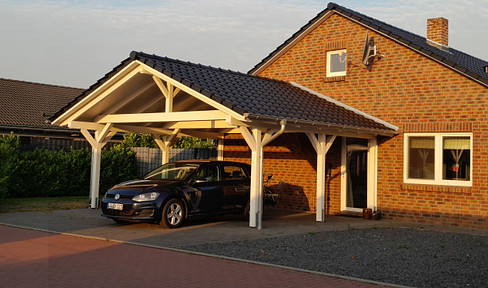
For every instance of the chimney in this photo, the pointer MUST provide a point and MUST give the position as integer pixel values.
(438, 31)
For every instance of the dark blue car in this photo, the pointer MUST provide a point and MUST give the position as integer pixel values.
(175, 191)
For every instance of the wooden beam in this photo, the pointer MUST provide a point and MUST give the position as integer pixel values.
(162, 117)
(100, 93)
(192, 92)
(209, 124)
(161, 86)
(321, 143)
(88, 137)
(85, 125)
(143, 129)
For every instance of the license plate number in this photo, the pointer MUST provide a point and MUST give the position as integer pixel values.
(115, 206)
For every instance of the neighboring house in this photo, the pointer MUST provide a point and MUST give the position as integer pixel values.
(393, 122)
(25, 109)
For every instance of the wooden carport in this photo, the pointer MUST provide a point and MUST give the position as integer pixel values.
(170, 98)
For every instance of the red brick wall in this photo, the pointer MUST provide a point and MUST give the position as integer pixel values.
(293, 162)
(408, 90)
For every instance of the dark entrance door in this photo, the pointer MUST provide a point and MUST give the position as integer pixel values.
(357, 173)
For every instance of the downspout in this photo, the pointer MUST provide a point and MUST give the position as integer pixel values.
(266, 141)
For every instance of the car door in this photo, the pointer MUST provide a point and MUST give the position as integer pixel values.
(209, 185)
(235, 186)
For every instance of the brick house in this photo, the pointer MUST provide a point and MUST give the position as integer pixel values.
(349, 113)
(435, 169)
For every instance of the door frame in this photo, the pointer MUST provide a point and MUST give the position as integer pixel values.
(372, 176)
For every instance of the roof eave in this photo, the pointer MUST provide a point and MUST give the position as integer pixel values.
(325, 127)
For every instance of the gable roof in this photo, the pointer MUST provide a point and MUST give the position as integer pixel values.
(25, 104)
(255, 98)
(461, 62)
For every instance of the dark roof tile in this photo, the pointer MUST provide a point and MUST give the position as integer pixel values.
(250, 95)
(27, 104)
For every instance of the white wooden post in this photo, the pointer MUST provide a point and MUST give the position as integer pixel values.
(95, 175)
(220, 149)
(256, 142)
(166, 144)
(321, 145)
(101, 138)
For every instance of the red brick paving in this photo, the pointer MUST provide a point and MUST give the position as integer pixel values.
(30, 258)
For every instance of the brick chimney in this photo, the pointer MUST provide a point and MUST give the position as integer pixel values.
(438, 31)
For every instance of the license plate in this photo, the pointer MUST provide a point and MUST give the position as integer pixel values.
(115, 206)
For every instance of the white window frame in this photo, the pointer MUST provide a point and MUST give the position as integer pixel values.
(438, 137)
(342, 53)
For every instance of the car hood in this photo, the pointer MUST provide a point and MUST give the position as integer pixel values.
(140, 186)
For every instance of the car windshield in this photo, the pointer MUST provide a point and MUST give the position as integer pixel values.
(172, 171)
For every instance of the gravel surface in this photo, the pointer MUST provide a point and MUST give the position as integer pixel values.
(411, 257)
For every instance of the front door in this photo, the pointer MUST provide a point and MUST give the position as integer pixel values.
(358, 187)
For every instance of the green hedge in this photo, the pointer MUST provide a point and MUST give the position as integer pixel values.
(46, 173)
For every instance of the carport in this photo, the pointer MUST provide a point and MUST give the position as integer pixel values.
(169, 99)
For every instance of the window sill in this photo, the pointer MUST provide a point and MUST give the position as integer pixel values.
(335, 79)
(436, 188)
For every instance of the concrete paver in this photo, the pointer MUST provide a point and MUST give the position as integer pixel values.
(32, 258)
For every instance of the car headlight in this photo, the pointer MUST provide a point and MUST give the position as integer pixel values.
(146, 197)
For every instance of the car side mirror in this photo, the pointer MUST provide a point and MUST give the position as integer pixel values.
(200, 180)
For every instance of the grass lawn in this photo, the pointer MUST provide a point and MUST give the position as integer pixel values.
(43, 204)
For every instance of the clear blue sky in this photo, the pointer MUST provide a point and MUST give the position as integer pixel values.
(74, 43)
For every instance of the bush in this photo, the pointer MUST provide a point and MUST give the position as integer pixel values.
(118, 164)
(146, 140)
(46, 173)
(9, 149)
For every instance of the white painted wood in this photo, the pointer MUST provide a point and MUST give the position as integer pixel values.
(161, 117)
(372, 158)
(95, 175)
(248, 137)
(165, 144)
(372, 174)
(209, 124)
(321, 145)
(67, 116)
(220, 149)
(88, 137)
(192, 92)
(85, 125)
(343, 174)
(96, 96)
(255, 211)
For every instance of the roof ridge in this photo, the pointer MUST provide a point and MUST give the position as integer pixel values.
(135, 54)
(39, 83)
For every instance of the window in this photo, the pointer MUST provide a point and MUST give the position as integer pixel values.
(336, 63)
(208, 173)
(234, 173)
(440, 159)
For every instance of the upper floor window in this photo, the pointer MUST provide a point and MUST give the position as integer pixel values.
(336, 63)
(438, 158)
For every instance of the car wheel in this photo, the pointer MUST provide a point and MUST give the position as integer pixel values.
(172, 214)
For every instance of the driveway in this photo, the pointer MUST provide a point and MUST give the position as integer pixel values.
(33, 257)
(88, 222)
